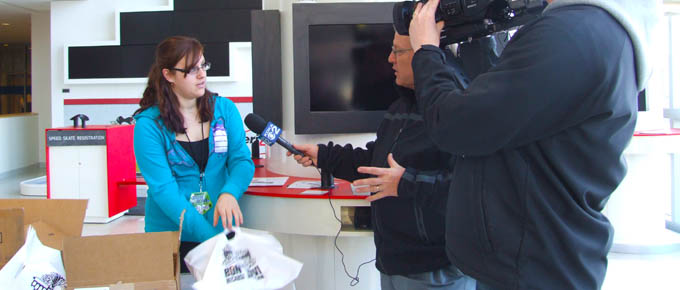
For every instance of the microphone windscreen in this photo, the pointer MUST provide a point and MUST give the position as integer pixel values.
(255, 123)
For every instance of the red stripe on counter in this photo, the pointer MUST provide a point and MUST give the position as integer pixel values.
(101, 101)
(659, 132)
(134, 101)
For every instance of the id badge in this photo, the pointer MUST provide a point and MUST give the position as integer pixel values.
(220, 139)
(201, 201)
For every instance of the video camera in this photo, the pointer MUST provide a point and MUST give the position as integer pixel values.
(470, 19)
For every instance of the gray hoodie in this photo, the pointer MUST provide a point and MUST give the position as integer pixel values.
(540, 138)
(638, 18)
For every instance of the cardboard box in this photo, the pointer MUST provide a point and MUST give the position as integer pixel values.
(53, 220)
(121, 262)
(11, 227)
(130, 261)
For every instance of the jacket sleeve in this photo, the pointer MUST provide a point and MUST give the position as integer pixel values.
(239, 162)
(540, 87)
(343, 161)
(150, 152)
(428, 187)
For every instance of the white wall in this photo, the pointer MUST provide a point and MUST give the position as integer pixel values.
(93, 23)
(40, 77)
(19, 143)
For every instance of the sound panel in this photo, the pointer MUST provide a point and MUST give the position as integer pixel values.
(206, 26)
(133, 61)
(217, 54)
(137, 60)
(267, 100)
(145, 27)
(213, 26)
(190, 5)
(214, 23)
(95, 62)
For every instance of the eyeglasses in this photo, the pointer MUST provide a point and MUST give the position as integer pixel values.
(193, 71)
(399, 51)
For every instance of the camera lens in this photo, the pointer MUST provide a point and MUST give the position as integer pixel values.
(401, 14)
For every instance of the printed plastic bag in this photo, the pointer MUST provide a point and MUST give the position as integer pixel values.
(34, 266)
(247, 261)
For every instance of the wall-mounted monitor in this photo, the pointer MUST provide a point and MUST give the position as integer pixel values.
(343, 81)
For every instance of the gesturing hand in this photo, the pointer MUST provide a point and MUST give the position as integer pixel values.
(422, 28)
(228, 209)
(310, 151)
(386, 181)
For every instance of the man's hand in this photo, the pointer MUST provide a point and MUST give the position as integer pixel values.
(386, 181)
(310, 151)
(422, 28)
(228, 209)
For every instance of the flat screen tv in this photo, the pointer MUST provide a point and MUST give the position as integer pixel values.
(343, 81)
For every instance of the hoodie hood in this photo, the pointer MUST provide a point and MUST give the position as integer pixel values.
(638, 18)
(151, 112)
(405, 93)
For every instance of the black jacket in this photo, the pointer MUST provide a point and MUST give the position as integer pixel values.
(409, 230)
(540, 138)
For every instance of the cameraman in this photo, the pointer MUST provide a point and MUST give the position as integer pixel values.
(540, 138)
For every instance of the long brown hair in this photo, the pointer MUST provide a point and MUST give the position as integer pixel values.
(158, 91)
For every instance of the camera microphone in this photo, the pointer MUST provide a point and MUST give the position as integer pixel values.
(268, 132)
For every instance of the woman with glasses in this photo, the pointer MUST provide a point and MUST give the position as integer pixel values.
(190, 147)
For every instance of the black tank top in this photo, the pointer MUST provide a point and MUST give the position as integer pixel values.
(198, 150)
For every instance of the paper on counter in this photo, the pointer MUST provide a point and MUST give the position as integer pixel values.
(360, 190)
(314, 192)
(269, 181)
(305, 184)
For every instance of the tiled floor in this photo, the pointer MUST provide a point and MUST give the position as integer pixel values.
(9, 182)
(625, 271)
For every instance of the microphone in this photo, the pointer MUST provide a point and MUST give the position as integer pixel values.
(268, 132)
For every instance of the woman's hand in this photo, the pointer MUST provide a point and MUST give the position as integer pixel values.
(228, 209)
(310, 151)
(386, 181)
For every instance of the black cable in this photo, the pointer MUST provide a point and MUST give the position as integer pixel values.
(355, 278)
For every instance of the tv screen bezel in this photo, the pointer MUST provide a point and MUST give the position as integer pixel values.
(304, 15)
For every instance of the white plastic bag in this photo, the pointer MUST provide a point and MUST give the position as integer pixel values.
(34, 266)
(247, 261)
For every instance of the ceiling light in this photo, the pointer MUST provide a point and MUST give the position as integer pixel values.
(5, 24)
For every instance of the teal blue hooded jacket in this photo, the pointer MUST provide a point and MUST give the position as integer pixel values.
(172, 175)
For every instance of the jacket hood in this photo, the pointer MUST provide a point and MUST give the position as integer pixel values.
(151, 112)
(406, 93)
(638, 18)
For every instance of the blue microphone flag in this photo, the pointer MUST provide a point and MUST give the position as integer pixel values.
(270, 134)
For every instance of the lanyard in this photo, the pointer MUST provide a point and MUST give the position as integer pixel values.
(190, 146)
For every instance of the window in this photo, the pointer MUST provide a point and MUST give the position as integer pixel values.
(668, 52)
(15, 78)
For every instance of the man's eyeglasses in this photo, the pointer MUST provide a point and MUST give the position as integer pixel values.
(193, 71)
(397, 51)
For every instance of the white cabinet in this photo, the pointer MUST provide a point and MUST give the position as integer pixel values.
(81, 172)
